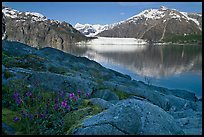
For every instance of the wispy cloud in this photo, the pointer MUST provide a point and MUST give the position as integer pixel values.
(122, 13)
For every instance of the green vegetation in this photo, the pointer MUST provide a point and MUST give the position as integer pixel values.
(8, 74)
(7, 117)
(121, 94)
(42, 112)
(58, 70)
(74, 119)
(186, 39)
(28, 61)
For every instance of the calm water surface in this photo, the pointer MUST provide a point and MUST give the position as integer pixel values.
(172, 66)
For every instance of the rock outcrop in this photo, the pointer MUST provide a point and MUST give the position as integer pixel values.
(36, 30)
(130, 117)
(128, 106)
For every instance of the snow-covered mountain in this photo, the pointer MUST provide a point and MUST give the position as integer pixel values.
(37, 30)
(151, 24)
(91, 30)
(22, 16)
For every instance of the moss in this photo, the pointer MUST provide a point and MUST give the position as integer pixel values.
(19, 84)
(85, 103)
(4, 54)
(28, 61)
(8, 61)
(34, 56)
(74, 116)
(73, 119)
(69, 132)
(121, 94)
(5, 88)
(58, 70)
(4, 132)
(101, 87)
(99, 80)
(75, 69)
(8, 74)
(7, 117)
(33, 61)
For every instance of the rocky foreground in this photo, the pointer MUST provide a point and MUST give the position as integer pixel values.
(129, 107)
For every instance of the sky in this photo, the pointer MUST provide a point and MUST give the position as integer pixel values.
(97, 12)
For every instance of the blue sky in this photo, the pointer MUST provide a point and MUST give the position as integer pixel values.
(97, 12)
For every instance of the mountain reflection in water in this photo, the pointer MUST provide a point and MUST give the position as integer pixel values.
(172, 66)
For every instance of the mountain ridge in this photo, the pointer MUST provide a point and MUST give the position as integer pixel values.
(154, 25)
(35, 29)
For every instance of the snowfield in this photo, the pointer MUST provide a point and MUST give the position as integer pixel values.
(106, 44)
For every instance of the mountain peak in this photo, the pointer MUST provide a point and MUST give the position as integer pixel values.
(15, 14)
(163, 8)
(156, 25)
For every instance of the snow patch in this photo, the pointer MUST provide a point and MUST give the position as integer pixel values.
(36, 16)
(164, 21)
(11, 13)
(189, 18)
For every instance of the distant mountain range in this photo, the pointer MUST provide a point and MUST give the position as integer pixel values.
(161, 24)
(151, 24)
(36, 30)
(92, 30)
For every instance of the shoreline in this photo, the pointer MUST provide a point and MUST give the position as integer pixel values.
(57, 71)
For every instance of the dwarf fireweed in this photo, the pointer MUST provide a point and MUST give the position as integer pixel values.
(41, 114)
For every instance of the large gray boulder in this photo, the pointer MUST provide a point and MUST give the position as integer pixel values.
(164, 98)
(131, 117)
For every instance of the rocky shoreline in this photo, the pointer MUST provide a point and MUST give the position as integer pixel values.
(129, 106)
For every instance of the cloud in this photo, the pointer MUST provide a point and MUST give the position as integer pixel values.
(122, 13)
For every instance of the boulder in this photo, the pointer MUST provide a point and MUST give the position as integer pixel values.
(131, 117)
